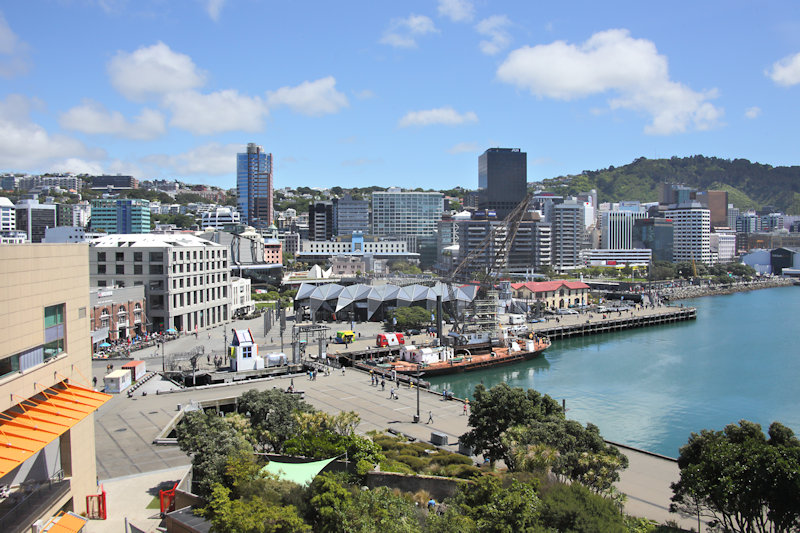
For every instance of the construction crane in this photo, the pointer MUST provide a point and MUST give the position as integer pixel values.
(500, 237)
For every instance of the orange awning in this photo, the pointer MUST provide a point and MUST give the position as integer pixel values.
(29, 426)
(66, 523)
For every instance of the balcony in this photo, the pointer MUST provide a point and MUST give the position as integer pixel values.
(29, 501)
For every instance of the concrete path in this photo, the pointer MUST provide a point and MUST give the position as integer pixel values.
(126, 428)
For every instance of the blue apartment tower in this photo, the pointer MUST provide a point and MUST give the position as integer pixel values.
(254, 185)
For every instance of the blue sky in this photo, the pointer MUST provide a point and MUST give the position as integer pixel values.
(392, 93)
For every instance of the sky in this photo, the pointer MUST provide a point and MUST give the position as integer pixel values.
(409, 94)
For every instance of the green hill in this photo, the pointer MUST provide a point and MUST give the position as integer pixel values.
(749, 185)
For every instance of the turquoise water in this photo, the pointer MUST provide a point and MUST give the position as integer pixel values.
(650, 388)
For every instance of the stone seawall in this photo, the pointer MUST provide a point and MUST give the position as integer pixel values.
(695, 291)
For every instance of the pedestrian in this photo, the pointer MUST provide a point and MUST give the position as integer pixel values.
(383, 384)
(431, 504)
(209, 334)
(430, 417)
(94, 381)
(465, 409)
(343, 371)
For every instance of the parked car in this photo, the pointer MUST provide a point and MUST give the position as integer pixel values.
(566, 312)
(413, 331)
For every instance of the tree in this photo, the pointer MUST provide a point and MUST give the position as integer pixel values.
(741, 479)
(251, 515)
(495, 410)
(210, 440)
(271, 413)
(410, 317)
(404, 267)
(493, 508)
(574, 508)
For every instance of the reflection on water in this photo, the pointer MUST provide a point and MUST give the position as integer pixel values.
(652, 387)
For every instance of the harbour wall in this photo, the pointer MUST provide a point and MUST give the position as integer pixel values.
(597, 325)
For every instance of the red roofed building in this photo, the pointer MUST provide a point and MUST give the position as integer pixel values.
(555, 294)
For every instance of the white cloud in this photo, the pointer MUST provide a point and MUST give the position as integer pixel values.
(220, 111)
(93, 118)
(27, 146)
(360, 162)
(214, 8)
(153, 71)
(786, 72)
(464, 148)
(443, 115)
(752, 112)
(457, 10)
(612, 61)
(213, 159)
(78, 166)
(402, 33)
(13, 52)
(494, 28)
(313, 98)
(366, 94)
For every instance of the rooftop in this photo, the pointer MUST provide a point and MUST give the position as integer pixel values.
(150, 240)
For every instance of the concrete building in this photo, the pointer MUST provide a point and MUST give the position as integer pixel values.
(529, 252)
(120, 215)
(34, 218)
(568, 234)
(348, 266)
(241, 297)
(290, 242)
(68, 234)
(117, 182)
(117, 313)
(616, 228)
(219, 218)
(48, 454)
(350, 215)
(396, 212)
(39, 183)
(356, 246)
(691, 233)
(733, 215)
(254, 182)
(8, 224)
(320, 221)
(186, 278)
(617, 257)
(723, 246)
(502, 179)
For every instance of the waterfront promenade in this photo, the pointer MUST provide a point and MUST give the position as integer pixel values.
(126, 427)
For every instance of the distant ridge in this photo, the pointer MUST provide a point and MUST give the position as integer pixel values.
(749, 185)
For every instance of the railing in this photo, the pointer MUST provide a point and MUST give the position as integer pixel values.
(25, 505)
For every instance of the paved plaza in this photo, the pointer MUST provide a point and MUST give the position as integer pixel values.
(126, 427)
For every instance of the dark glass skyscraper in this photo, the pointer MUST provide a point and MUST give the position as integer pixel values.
(502, 179)
(254, 185)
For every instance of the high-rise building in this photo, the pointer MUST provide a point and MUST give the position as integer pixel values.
(617, 229)
(655, 234)
(34, 218)
(117, 182)
(320, 221)
(529, 252)
(121, 215)
(733, 214)
(254, 183)
(47, 458)
(717, 203)
(350, 215)
(502, 179)
(691, 233)
(400, 213)
(568, 232)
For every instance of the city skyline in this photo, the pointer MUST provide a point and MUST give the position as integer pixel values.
(407, 95)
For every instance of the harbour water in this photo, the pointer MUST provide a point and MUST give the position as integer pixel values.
(651, 387)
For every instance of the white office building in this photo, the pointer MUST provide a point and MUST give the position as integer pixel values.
(219, 217)
(396, 212)
(691, 239)
(186, 278)
(568, 232)
(616, 229)
(617, 257)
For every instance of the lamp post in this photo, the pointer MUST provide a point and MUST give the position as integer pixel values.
(416, 418)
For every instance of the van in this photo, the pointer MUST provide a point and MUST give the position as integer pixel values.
(389, 339)
(566, 312)
(345, 337)
(516, 320)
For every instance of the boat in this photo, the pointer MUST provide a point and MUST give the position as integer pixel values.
(443, 360)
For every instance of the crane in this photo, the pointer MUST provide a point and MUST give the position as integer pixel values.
(500, 237)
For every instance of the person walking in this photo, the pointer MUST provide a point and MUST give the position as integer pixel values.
(94, 381)
(343, 371)
(465, 409)
(430, 417)
(383, 384)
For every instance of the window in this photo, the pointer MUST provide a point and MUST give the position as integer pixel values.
(137, 269)
(137, 257)
(156, 269)
(120, 256)
(101, 283)
(121, 269)
(156, 257)
(101, 269)
(53, 330)
(247, 351)
(101, 257)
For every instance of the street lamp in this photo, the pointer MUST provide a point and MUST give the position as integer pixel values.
(416, 418)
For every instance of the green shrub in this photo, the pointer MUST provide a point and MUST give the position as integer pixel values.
(416, 463)
(460, 471)
(445, 459)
